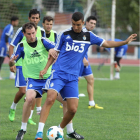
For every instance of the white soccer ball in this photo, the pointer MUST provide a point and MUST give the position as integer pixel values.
(54, 133)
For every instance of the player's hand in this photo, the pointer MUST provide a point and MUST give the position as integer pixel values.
(12, 60)
(85, 62)
(131, 38)
(52, 53)
(13, 69)
(42, 73)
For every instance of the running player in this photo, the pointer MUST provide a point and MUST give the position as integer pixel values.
(6, 38)
(34, 52)
(72, 45)
(34, 16)
(86, 70)
(119, 53)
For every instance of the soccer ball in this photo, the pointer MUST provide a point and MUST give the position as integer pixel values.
(54, 133)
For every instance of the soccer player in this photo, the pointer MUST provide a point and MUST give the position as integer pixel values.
(34, 52)
(119, 53)
(47, 25)
(52, 36)
(86, 70)
(6, 38)
(72, 45)
(34, 16)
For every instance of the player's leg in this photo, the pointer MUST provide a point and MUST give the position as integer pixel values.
(38, 105)
(117, 67)
(30, 97)
(53, 88)
(1, 62)
(34, 89)
(70, 131)
(21, 84)
(70, 93)
(72, 105)
(51, 97)
(88, 75)
(70, 125)
(90, 88)
(30, 121)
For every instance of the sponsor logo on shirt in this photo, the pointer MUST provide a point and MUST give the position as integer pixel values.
(74, 47)
(68, 37)
(35, 54)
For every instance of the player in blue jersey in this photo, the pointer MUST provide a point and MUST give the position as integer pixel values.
(86, 70)
(6, 38)
(34, 16)
(34, 52)
(119, 53)
(72, 45)
(52, 36)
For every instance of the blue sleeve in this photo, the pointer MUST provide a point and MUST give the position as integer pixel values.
(94, 39)
(47, 43)
(7, 30)
(59, 42)
(19, 51)
(17, 38)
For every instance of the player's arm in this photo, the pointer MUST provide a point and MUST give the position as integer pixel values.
(17, 38)
(113, 44)
(49, 63)
(16, 55)
(85, 62)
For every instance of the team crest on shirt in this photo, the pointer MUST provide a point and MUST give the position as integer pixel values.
(30, 85)
(52, 84)
(84, 37)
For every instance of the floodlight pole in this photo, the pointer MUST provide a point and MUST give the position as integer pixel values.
(88, 8)
(112, 38)
(60, 6)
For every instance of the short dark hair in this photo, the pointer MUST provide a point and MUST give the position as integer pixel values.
(28, 25)
(78, 16)
(91, 18)
(33, 12)
(48, 18)
(14, 18)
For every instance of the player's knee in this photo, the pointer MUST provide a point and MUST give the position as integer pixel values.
(50, 100)
(30, 100)
(72, 110)
(90, 80)
(22, 90)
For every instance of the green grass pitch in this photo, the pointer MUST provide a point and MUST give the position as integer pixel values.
(119, 120)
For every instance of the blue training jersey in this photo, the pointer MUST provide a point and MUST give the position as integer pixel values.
(8, 30)
(72, 48)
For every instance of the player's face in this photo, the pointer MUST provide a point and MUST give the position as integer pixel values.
(47, 26)
(30, 35)
(91, 25)
(35, 19)
(16, 23)
(77, 25)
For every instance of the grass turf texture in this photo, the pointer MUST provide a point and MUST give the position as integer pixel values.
(119, 120)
